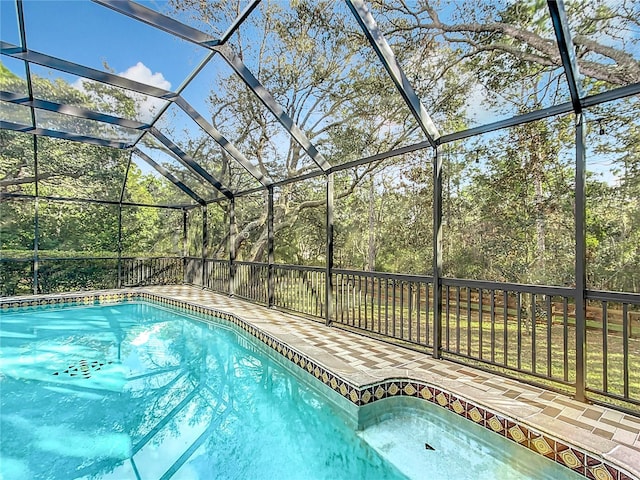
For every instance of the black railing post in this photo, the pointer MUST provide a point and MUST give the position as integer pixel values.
(233, 233)
(270, 240)
(581, 258)
(328, 298)
(437, 253)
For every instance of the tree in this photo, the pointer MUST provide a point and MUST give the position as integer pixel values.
(327, 78)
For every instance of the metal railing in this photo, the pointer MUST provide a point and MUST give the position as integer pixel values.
(524, 331)
(396, 306)
(217, 275)
(520, 328)
(300, 289)
(55, 275)
(152, 271)
(250, 281)
(613, 346)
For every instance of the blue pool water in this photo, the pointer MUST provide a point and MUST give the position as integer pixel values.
(140, 391)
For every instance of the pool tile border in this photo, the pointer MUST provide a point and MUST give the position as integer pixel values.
(576, 459)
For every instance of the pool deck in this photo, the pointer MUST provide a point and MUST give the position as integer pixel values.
(612, 435)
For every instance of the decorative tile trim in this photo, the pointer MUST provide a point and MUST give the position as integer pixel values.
(80, 298)
(571, 457)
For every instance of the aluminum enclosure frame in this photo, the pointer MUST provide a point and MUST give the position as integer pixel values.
(367, 23)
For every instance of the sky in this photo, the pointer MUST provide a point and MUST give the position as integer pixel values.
(92, 35)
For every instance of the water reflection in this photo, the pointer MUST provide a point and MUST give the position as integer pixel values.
(180, 399)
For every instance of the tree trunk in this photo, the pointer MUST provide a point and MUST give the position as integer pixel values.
(538, 199)
(371, 251)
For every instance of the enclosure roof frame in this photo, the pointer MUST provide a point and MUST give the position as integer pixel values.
(365, 20)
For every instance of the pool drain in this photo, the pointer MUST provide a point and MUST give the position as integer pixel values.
(83, 369)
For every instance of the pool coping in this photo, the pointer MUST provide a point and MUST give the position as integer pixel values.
(594, 458)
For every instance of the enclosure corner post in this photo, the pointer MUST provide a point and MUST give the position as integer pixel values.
(328, 300)
(437, 253)
(205, 245)
(581, 258)
(270, 241)
(233, 232)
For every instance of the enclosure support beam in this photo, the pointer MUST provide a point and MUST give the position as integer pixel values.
(581, 258)
(36, 226)
(328, 300)
(185, 218)
(91, 201)
(122, 191)
(82, 71)
(238, 21)
(193, 166)
(388, 59)
(119, 284)
(165, 173)
(70, 110)
(205, 245)
(567, 51)
(158, 20)
(72, 137)
(223, 142)
(269, 101)
(437, 253)
(233, 233)
(270, 241)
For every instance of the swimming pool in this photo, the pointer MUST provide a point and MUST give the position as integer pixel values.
(136, 390)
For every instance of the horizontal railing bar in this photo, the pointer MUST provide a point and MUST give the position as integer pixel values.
(257, 264)
(461, 359)
(249, 299)
(606, 296)
(395, 276)
(302, 268)
(516, 287)
(451, 355)
(30, 259)
(152, 258)
(75, 258)
(615, 396)
(410, 344)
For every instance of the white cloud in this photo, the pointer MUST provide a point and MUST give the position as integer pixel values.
(141, 73)
(147, 107)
